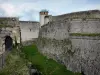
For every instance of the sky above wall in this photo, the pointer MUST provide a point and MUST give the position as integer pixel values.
(29, 9)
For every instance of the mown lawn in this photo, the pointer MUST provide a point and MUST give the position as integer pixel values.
(44, 65)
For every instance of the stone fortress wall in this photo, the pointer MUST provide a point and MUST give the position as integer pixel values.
(23, 30)
(79, 22)
(29, 30)
(78, 52)
(53, 29)
(84, 25)
(19, 31)
(76, 15)
(9, 27)
(82, 22)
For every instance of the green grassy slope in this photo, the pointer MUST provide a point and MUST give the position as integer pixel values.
(15, 65)
(44, 65)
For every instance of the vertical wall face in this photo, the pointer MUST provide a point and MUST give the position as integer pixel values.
(55, 30)
(50, 18)
(46, 19)
(80, 53)
(2, 46)
(16, 34)
(29, 30)
(86, 55)
(6, 43)
(9, 31)
(85, 26)
(42, 17)
(9, 26)
(53, 40)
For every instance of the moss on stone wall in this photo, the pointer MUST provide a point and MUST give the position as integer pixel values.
(45, 41)
(4, 26)
(55, 49)
(84, 34)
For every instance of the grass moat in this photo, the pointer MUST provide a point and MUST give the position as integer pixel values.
(18, 60)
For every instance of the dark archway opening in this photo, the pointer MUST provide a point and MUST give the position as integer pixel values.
(8, 43)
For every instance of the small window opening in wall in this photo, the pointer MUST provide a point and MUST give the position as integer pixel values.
(8, 43)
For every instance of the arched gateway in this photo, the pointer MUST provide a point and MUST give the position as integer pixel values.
(8, 43)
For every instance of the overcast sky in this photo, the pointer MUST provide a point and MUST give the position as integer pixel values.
(29, 9)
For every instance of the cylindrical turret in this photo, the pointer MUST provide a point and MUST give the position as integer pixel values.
(43, 13)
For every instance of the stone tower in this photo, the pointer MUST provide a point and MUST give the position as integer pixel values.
(43, 13)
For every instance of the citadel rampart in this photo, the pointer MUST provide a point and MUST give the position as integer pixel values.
(52, 30)
(9, 30)
(81, 14)
(72, 39)
(9, 26)
(23, 32)
(29, 30)
(85, 25)
(74, 42)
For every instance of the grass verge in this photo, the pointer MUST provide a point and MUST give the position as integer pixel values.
(44, 65)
